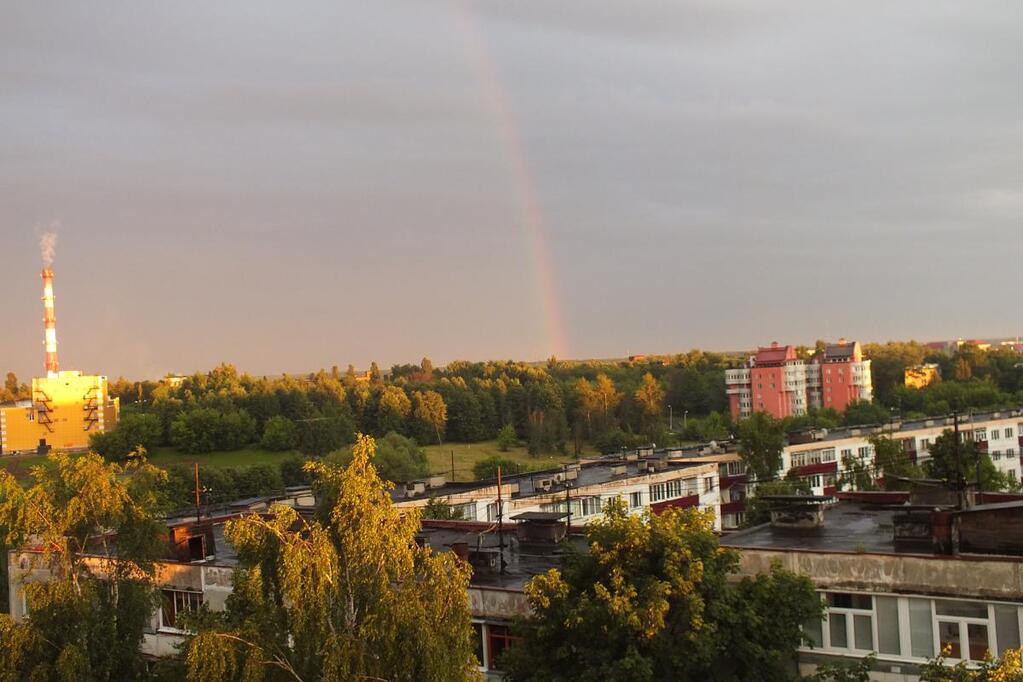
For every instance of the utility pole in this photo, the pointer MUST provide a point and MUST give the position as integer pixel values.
(500, 520)
(198, 511)
(959, 487)
(568, 507)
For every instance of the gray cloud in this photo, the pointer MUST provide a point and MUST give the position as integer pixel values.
(289, 188)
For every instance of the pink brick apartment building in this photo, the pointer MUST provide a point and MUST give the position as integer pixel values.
(778, 382)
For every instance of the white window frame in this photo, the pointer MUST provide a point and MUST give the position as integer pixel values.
(173, 628)
(905, 642)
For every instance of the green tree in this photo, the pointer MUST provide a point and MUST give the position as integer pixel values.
(761, 441)
(397, 459)
(486, 469)
(439, 510)
(132, 432)
(944, 463)
(892, 462)
(87, 620)
(321, 435)
(856, 475)
(865, 412)
(587, 403)
(650, 398)
(648, 584)
(608, 398)
(430, 415)
(349, 596)
(844, 671)
(393, 410)
(279, 434)
(507, 438)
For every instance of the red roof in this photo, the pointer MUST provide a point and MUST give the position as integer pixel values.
(775, 355)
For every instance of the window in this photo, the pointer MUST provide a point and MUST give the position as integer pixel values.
(734, 468)
(888, 625)
(851, 621)
(175, 602)
(477, 638)
(996, 455)
(708, 484)
(1008, 432)
(1010, 452)
(589, 506)
(863, 452)
(846, 452)
(1007, 628)
(995, 434)
(1011, 473)
(635, 499)
(963, 628)
(499, 639)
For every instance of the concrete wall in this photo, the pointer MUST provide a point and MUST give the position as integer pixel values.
(962, 577)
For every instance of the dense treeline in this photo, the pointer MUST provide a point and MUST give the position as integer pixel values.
(971, 378)
(552, 408)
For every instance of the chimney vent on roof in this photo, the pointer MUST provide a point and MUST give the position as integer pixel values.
(797, 512)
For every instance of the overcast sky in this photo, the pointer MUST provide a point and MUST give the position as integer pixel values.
(287, 186)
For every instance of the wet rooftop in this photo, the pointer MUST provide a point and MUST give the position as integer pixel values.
(848, 527)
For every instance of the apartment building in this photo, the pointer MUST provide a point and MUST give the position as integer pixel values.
(643, 479)
(899, 578)
(775, 380)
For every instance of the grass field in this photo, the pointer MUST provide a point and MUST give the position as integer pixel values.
(19, 466)
(467, 454)
(439, 456)
(164, 457)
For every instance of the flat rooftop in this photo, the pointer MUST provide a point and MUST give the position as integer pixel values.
(523, 560)
(848, 527)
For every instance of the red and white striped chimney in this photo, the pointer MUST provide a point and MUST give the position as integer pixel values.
(50, 324)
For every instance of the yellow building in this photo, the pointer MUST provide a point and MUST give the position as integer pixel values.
(66, 408)
(921, 376)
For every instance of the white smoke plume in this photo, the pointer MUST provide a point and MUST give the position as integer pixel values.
(48, 246)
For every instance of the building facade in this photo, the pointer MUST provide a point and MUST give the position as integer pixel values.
(66, 408)
(777, 381)
(904, 604)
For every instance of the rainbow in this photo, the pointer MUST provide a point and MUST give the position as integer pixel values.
(514, 151)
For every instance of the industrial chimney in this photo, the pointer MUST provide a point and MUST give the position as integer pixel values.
(50, 325)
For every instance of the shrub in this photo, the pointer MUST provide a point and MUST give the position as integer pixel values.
(279, 434)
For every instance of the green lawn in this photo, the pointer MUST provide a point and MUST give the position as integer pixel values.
(19, 466)
(439, 456)
(166, 456)
(467, 454)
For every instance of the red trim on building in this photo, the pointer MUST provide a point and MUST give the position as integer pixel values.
(822, 468)
(733, 507)
(678, 503)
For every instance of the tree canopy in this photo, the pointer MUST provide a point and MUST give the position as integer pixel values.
(655, 599)
(87, 619)
(761, 441)
(346, 596)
